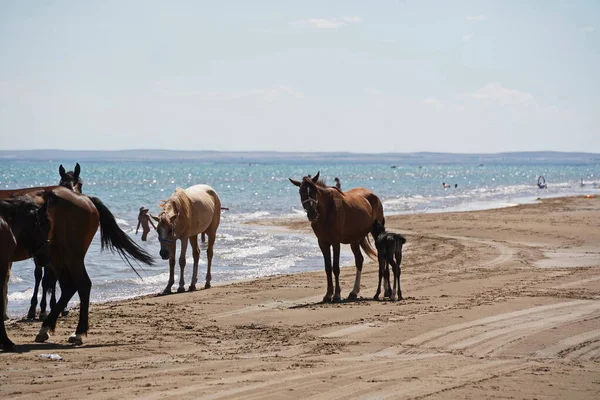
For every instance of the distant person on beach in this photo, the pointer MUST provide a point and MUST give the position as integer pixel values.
(338, 184)
(445, 185)
(582, 184)
(455, 185)
(144, 219)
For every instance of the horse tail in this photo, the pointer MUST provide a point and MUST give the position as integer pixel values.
(365, 244)
(112, 237)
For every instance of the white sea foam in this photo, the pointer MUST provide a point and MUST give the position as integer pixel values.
(121, 222)
(20, 296)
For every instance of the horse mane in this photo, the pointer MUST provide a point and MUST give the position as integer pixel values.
(179, 202)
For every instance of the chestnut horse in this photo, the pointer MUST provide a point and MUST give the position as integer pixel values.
(340, 217)
(187, 213)
(74, 219)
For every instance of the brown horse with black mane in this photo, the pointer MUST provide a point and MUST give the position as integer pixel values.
(340, 217)
(74, 219)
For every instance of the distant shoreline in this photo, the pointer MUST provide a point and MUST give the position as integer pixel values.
(271, 157)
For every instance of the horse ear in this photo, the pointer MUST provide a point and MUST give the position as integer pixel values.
(76, 171)
(61, 171)
(315, 179)
(295, 182)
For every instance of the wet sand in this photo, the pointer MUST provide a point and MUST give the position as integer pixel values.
(498, 304)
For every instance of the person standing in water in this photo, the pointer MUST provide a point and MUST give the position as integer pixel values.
(143, 220)
(338, 184)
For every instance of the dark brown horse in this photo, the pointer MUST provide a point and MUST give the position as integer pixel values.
(389, 251)
(23, 226)
(340, 217)
(74, 219)
(70, 180)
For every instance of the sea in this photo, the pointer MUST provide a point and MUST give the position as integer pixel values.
(260, 190)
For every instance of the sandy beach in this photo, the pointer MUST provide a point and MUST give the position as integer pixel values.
(500, 303)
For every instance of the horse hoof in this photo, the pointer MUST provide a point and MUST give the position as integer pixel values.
(42, 337)
(207, 285)
(165, 292)
(337, 299)
(352, 296)
(376, 297)
(192, 288)
(180, 289)
(43, 315)
(327, 298)
(75, 339)
(31, 315)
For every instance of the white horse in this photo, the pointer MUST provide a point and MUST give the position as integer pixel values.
(187, 213)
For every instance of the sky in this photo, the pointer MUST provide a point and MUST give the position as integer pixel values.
(379, 76)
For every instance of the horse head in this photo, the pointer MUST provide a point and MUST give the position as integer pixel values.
(309, 195)
(71, 179)
(378, 228)
(165, 228)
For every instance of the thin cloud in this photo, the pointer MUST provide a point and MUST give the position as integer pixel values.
(269, 94)
(331, 23)
(433, 102)
(588, 29)
(476, 18)
(468, 37)
(494, 91)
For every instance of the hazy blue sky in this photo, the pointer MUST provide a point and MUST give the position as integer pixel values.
(362, 76)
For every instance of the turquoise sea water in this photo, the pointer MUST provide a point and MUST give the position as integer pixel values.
(259, 191)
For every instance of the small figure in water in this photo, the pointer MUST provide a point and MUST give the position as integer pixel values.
(144, 219)
(445, 185)
(338, 184)
(455, 185)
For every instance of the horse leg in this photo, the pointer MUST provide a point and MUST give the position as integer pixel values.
(395, 271)
(171, 270)
(196, 255)
(37, 273)
(50, 286)
(212, 236)
(45, 290)
(389, 260)
(358, 260)
(7, 344)
(381, 262)
(84, 286)
(325, 249)
(4, 281)
(337, 296)
(67, 290)
(184, 243)
(399, 269)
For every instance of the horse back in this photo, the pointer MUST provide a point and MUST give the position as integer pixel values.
(33, 192)
(349, 215)
(205, 208)
(73, 218)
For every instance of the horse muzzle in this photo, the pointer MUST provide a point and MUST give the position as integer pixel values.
(164, 254)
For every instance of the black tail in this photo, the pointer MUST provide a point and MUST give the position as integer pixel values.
(112, 237)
